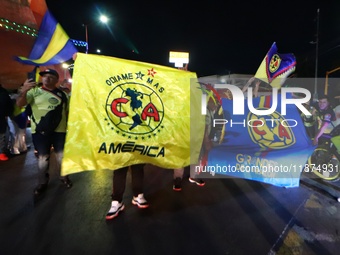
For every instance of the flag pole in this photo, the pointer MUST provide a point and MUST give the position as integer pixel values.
(86, 38)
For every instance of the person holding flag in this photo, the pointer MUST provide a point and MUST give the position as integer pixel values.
(118, 189)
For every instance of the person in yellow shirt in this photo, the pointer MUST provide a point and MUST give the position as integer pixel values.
(43, 101)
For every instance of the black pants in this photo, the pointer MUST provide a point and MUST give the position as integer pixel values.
(43, 145)
(119, 181)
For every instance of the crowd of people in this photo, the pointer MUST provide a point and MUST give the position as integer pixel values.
(14, 121)
(47, 106)
(35, 101)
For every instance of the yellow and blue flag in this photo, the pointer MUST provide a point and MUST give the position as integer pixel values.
(125, 112)
(276, 67)
(52, 46)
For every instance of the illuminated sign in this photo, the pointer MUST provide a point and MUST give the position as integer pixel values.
(179, 58)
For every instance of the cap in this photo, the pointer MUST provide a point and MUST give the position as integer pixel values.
(50, 71)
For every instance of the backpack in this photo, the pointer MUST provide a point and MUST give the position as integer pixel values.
(51, 120)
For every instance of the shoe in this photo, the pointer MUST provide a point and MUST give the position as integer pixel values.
(15, 151)
(140, 201)
(116, 207)
(177, 184)
(199, 182)
(41, 188)
(67, 182)
(3, 157)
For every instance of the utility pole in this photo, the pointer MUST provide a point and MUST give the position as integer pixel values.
(315, 97)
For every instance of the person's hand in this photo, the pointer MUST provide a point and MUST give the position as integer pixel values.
(74, 56)
(28, 84)
(185, 68)
(65, 84)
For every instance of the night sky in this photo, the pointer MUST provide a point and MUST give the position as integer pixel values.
(220, 36)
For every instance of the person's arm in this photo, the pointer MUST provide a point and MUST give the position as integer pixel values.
(207, 144)
(249, 82)
(320, 132)
(21, 99)
(256, 90)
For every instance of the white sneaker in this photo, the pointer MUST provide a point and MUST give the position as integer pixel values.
(116, 207)
(140, 201)
(199, 182)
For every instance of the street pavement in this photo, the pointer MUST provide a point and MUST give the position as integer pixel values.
(226, 216)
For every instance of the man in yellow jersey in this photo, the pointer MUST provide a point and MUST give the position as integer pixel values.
(45, 132)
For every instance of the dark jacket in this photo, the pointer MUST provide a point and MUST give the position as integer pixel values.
(6, 108)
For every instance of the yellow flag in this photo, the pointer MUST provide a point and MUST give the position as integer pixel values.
(125, 112)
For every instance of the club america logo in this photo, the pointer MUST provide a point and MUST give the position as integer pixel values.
(271, 131)
(274, 63)
(134, 107)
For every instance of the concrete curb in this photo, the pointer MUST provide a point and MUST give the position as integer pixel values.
(332, 188)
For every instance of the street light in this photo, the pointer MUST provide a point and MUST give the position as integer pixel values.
(326, 81)
(102, 19)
